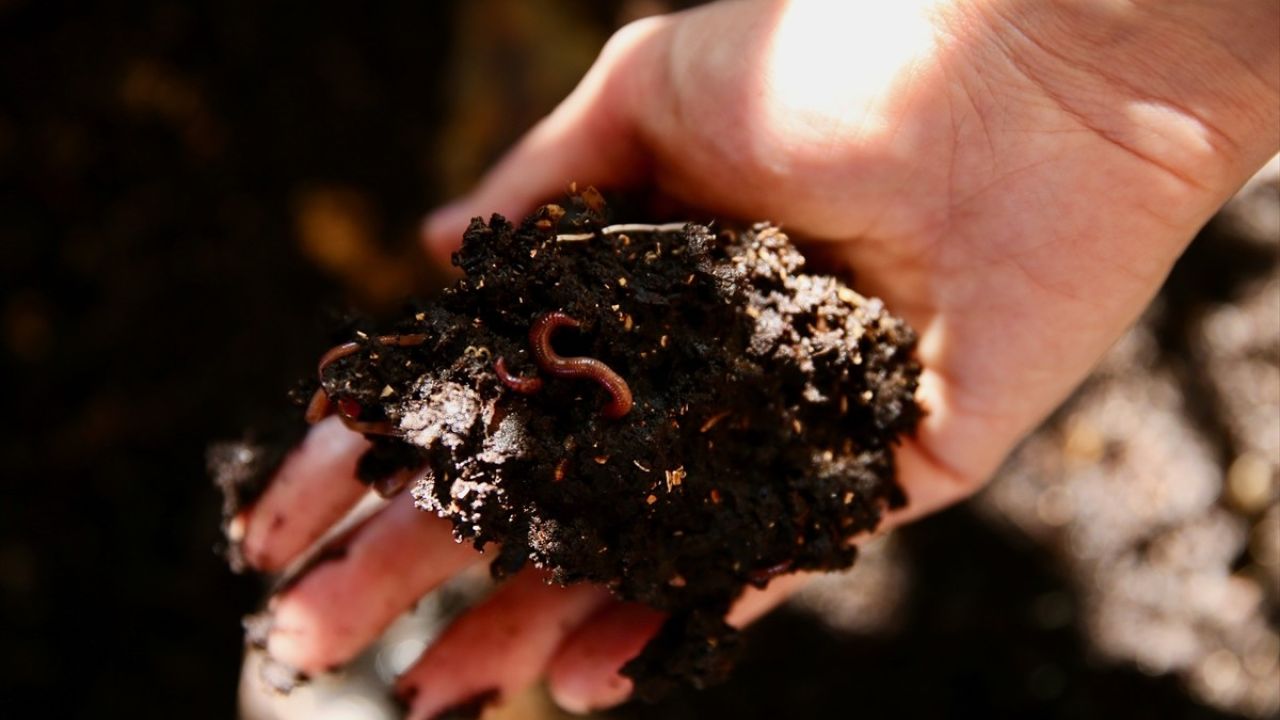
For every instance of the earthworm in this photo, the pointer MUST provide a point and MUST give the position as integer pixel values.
(349, 410)
(577, 367)
(522, 385)
(318, 408)
(761, 576)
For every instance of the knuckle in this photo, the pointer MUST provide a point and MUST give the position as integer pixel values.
(629, 36)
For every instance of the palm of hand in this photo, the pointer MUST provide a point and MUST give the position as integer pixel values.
(1017, 207)
(1016, 203)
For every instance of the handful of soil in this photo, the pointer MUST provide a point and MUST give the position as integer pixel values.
(671, 412)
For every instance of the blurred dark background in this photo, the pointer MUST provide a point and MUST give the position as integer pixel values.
(191, 192)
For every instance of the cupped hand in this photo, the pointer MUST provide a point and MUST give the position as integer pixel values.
(1015, 178)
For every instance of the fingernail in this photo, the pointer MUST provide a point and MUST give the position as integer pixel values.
(617, 690)
(257, 628)
(583, 699)
(236, 528)
(234, 531)
(281, 677)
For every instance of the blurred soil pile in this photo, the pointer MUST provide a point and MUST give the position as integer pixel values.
(1158, 486)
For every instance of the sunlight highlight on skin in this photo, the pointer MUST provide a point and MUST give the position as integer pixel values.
(861, 59)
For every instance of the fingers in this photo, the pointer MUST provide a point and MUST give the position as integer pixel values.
(375, 572)
(584, 674)
(360, 584)
(314, 488)
(756, 602)
(937, 467)
(499, 647)
(589, 139)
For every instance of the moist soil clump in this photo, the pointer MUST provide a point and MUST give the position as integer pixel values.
(756, 439)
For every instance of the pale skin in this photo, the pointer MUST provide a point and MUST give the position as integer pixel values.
(1015, 178)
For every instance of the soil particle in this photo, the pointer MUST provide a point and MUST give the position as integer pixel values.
(762, 405)
(241, 470)
(278, 676)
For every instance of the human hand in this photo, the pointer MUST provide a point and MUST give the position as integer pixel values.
(1014, 178)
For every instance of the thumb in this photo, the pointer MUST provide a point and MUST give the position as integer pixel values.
(589, 139)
